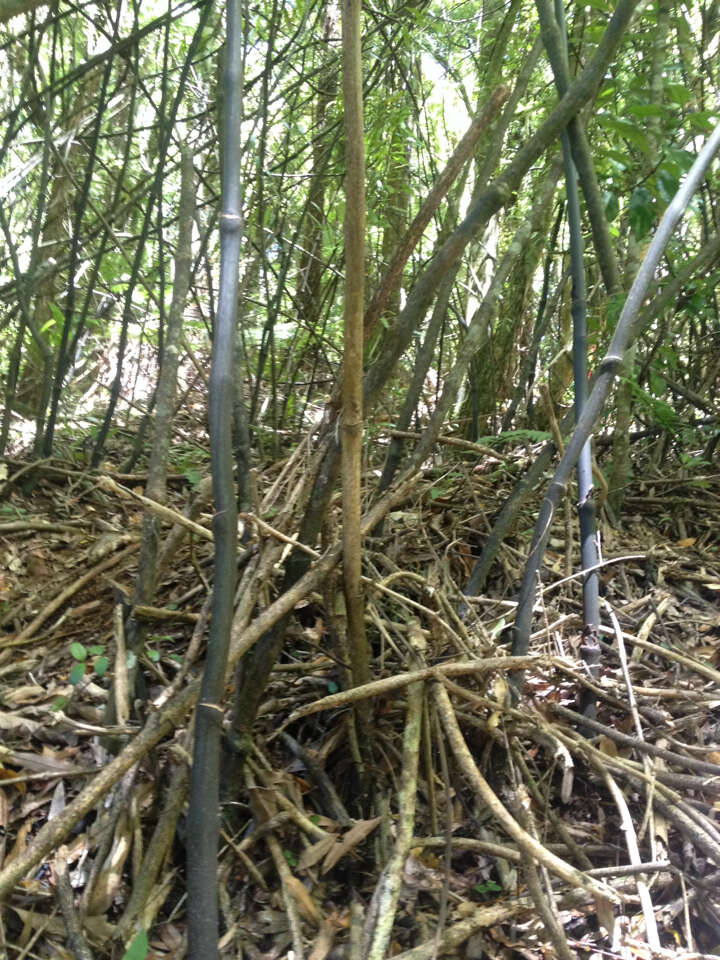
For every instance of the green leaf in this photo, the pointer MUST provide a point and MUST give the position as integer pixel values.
(96, 649)
(153, 655)
(677, 93)
(176, 657)
(657, 382)
(78, 651)
(703, 120)
(101, 665)
(612, 206)
(489, 887)
(76, 674)
(193, 476)
(667, 184)
(436, 492)
(628, 131)
(332, 686)
(683, 158)
(641, 212)
(57, 313)
(59, 703)
(138, 948)
(646, 110)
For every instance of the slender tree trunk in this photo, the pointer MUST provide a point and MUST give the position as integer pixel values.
(352, 409)
(203, 812)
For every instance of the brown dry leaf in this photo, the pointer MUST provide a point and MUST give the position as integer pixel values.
(21, 726)
(607, 746)
(324, 941)
(313, 854)
(20, 841)
(110, 877)
(170, 936)
(45, 763)
(97, 926)
(20, 787)
(714, 757)
(31, 693)
(355, 835)
(687, 542)
(305, 903)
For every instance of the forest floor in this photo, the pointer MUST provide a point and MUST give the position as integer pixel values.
(626, 815)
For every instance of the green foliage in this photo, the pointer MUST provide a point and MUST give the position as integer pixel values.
(641, 212)
(100, 666)
(488, 887)
(76, 674)
(658, 409)
(138, 948)
(79, 652)
(290, 857)
(520, 436)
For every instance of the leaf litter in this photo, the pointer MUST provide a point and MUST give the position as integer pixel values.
(614, 829)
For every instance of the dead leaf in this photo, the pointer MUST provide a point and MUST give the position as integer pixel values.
(305, 903)
(314, 853)
(57, 804)
(10, 775)
(110, 877)
(324, 941)
(687, 542)
(355, 835)
(97, 926)
(20, 841)
(31, 693)
(607, 746)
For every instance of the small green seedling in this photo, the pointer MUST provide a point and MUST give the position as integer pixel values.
(489, 887)
(80, 653)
